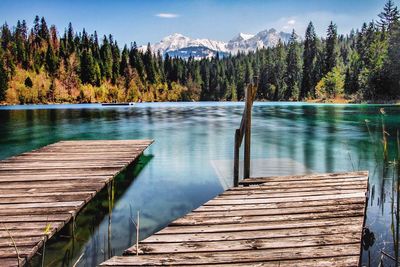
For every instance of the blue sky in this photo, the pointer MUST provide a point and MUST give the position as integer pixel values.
(149, 21)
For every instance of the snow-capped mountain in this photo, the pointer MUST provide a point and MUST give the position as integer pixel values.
(246, 43)
(183, 46)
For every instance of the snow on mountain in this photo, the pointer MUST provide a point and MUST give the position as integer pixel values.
(178, 41)
(183, 46)
(267, 38)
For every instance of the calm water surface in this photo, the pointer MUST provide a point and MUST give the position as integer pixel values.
(191, 162)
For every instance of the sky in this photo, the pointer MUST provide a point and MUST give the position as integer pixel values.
(149, 21)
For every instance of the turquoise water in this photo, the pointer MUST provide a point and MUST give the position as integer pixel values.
(191, 162)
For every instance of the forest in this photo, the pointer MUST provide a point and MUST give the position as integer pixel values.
(40, 65)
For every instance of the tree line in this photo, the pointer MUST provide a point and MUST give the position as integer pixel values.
(40, 66)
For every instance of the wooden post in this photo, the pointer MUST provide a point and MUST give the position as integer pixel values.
(247, 133)
(236, 159)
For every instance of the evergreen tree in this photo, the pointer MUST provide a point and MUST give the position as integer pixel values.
(279, 72)
(149, 65)
(3, 80)
(393, 60)
(107, 59)
(44, 33)
(136, 62)
(124, 61)
(292, 68)
(309, 57)
(51, 61)
(331, 51)
(115, 62)
(87, 68)
(388, 16)
(70, 38)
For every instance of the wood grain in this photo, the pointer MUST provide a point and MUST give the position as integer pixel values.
(311, 220)
(46, 187)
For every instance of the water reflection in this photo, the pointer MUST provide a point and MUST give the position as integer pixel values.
(193, 143)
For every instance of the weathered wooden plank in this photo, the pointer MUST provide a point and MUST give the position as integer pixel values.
(245, 244)
(254, 234)
(60, 217)
(49, 189)
(26, 178)
(264, 218)
(39, 211)
(340, 261)
(259, 226)
(47, 199)
(21, 185)
(328, 176)
(47, 193)
(19, 241)
(282, 205)
(14, 206)
(290, 188)
(31, 225)
(247, 256)
(55, 173)
(314, 184)
(260, 190)
(285, 211)
(215, 202)
(24, 232)
(251, 195)
(309, 181)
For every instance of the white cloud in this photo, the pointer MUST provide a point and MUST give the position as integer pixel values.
(286, 24)
(167, 15)
(291, 22)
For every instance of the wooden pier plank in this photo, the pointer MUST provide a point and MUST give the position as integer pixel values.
(309, 220)
(46, 187)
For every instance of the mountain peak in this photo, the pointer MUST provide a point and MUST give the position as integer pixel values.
(177, 44)
(245, 36)
(175, 35)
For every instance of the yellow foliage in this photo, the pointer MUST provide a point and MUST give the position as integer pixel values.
(86, 93)
(68, 89)
(331, 85)
(18, 92)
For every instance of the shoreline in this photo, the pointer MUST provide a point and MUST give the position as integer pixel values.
(314, 101)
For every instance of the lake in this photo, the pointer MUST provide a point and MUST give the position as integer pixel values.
(191, 161)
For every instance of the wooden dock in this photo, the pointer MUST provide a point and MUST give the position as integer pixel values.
(41, 190)
(309, 220)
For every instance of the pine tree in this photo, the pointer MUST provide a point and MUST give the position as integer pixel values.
(393, 60)
(388, 16)
(51, 61)
(106, 58)
(36, 30)
(124, 61)
(279, 72)
(149, 65)
(309, 56)
(115, 62)
(44, 33)
(331, 51)
(136, 62)
(292, 68)
(87, 68)
(3, 79)
(70, 38)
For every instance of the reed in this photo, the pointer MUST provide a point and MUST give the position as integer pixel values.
(14, 244)
(385, 134)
